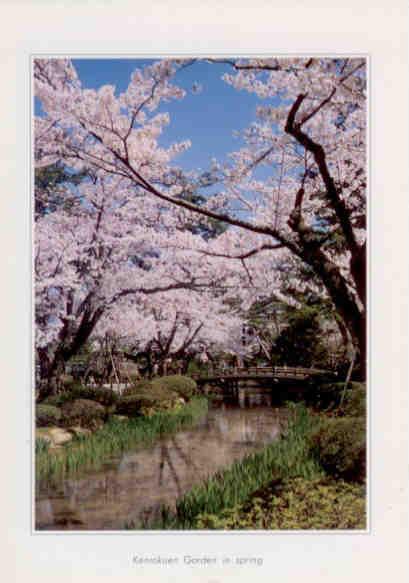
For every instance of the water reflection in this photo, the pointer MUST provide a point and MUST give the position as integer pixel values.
(133, 486)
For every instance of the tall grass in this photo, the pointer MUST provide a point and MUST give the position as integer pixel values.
(116, 436)
(286, 457)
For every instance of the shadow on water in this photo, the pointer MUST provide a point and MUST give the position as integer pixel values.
(133, 486)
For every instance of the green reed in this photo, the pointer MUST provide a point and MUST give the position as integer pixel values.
(288, 456)
(114, 437)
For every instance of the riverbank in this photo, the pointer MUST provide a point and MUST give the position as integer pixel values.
(313, 477)
(133, 485)
(116, 436)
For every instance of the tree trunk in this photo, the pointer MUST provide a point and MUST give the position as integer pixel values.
(344, 301)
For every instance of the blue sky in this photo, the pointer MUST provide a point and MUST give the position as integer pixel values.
(208, 118)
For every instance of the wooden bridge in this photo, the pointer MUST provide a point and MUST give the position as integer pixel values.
(241, 377)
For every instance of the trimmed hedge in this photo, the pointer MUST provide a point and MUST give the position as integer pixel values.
(101, 395)
(83, 412)
(147, 403)
(161, 386)
(163, 393)
(47, 415)
(58, 400)
(138, 387)
(340, 447)
(183, 386)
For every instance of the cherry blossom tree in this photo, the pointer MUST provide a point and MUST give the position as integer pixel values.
(297, 186)
(109, 251)
(175, 325)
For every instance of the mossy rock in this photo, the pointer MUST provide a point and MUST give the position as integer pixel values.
(83, 412)
(340, 447)
(47, 415)
(79, 432)
(52, 436)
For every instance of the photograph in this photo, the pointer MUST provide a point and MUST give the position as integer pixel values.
(199, 267)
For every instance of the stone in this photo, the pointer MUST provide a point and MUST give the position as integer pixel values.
(59, 436)
(78, 431)
(43, 434)
(120, 417)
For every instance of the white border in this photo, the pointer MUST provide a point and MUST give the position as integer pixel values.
(30, 100)
(375, 27)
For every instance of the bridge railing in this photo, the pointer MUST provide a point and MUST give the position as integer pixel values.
(282, 371)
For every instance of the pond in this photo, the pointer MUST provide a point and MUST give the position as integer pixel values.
(132, 486)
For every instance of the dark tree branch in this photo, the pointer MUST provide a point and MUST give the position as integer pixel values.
(244, 255)
(292, 128)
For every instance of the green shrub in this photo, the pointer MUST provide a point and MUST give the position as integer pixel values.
(47, 415)
(354, 403)
(41, 445)
(104, 396)
(183, 386)
(295, 504)
(83, 412)
(328, 397)
(161, 394)
(67, 381)
(340, 447)
(161, 388)
(137, 387)
(129, 405)
(147, 402)
(58, 400)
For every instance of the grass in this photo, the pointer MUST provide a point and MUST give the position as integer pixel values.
(115, 437)
(286, 457)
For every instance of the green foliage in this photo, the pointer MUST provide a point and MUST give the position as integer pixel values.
(163, 393)
(140, 386)
(47, 415)
(328, 397)
(58, 400)
(113, 438)
(183, 386)
(300, 344)
(49, 195)
(41, 445)
(83, 412)
(67, 381)
(295, 504)
(339, 445)
(354, 403)
(104, 396)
